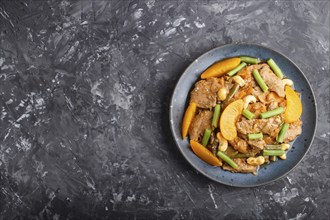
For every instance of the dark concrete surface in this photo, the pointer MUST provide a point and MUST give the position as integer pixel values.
(84, 94)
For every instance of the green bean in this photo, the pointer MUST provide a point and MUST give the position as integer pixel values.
(250, 60)
(255, 136)
(232, 92)
(275, 68)
(247, 114)
(283, 130)
(273, 152)
(240, 155)
(259, 80)
(238, 68)
(216, 115)
(227, 159)
(271, 113)
(273, 147)
(206, 136)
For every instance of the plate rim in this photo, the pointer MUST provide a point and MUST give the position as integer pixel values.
(201, 171)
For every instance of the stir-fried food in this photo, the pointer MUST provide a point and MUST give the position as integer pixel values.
(242, 114)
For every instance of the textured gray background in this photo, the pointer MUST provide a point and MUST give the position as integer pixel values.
(84, 94)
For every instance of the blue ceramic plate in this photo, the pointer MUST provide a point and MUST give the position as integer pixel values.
(267, 173)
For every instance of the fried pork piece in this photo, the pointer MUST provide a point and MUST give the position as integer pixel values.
(270, 126)
(293, 131)
(259, 94)
(246, 73)
(239, 144)
(204, 93)
(201, 121)
(241, 93)
(269, 140)
(243, 167)
(273, 82)
(258, 144)
(257, 108)
(250, 86)
(272, 106)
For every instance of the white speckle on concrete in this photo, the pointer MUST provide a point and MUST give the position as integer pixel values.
(40, 103)
(131, 198)
(178, 21)
(215, 7)
(138, 13)
(151, 23)
(69, 103)
(323, 135)
(140, 28)
(66, 24)
(187, 25)
(169, 32)
(95, 89)
(159, 60)
(2, 60)
(5, 67)
(9, 130)
(135, 37)
(286, 195)
(26, 114)
(90, 183)
(44, 174)
(23, 144)
(211, 195)
(3, 113)
(9, 102)
(199, 24)
(144, 199)
(150, 3)
(116, 197)
(299, 216)
(120, 98)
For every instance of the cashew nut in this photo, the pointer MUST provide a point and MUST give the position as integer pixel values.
(256, 161)
(248, 99)
(285, 146)
(283, 157)
(288, 82)
(222, 93)
(223, 143)
(239, 81)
